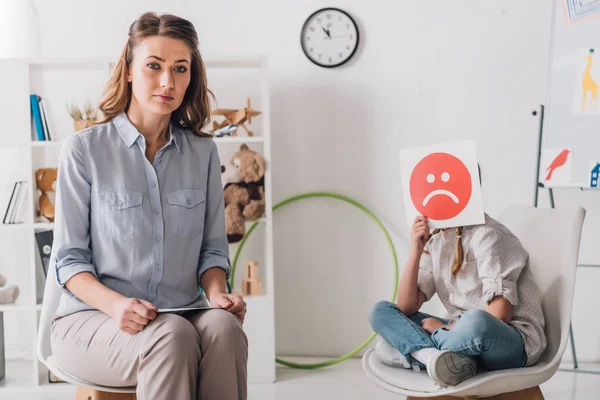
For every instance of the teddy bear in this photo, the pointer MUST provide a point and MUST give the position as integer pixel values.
(8, 294)
(46, 184)
(243, 191)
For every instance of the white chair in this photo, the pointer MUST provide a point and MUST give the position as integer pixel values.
(87, 390)
(551, 236)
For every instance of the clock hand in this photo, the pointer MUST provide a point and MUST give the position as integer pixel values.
(338, 36)
(326, 31)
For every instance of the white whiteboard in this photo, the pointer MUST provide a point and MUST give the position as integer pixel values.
(568, 123)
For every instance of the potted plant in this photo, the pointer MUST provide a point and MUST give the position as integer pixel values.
(83, 117)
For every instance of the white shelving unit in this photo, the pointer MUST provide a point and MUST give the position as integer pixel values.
(66, 81)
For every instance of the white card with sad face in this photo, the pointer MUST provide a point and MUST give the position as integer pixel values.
(441, 182)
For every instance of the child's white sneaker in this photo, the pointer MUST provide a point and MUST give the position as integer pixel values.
(390, 355)
(449, 368)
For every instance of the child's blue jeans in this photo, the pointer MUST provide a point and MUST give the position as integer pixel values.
(496, 344)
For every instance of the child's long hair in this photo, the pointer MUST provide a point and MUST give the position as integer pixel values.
(458, 259)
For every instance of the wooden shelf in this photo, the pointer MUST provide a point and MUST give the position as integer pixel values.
(239, 139)
(36, 225)
(225, 139)
(49, 143)
(33, 144)
(211, 61)
(16, 307)
(4, 227)
(61, 80)
(19, 374)
(43, 225)
(50, 225)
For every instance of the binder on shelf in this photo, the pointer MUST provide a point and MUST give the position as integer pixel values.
(20, 201)
(44, 241)
(37, 118)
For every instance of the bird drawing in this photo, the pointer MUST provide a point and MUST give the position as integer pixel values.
(558, 162)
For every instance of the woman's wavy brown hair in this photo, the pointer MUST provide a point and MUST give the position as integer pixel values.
(194, 111)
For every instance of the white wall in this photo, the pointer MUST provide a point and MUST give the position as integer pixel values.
(425, 72)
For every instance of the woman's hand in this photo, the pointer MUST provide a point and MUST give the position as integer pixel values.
(430, 325)
(234, 303)
(419, 234)
(133, 315)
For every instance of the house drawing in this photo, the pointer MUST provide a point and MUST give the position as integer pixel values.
(594, 175)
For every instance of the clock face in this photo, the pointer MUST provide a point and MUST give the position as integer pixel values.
(329, 37)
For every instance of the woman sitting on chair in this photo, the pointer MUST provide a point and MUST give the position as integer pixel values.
(481, 274)
(140, 226)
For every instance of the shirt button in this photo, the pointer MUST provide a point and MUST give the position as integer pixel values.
(156, 211)
(157, 267)
(151, 288)
(153, 184)
(189, 202)
(119, 203)
(157, 239)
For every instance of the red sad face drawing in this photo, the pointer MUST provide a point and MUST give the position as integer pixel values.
(440, 186)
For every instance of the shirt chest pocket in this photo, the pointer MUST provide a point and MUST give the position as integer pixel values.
(186, 210)
(121, 213)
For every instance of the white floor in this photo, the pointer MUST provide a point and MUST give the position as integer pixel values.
(346, 381)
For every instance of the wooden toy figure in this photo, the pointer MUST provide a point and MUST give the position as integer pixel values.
(236, 117)
(251, 282)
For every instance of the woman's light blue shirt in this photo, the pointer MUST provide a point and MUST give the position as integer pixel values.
(144, 230)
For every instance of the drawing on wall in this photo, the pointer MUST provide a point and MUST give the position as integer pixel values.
(556, 166)
(441, 182)
(576, 11)
(594, 173)
(585, 100)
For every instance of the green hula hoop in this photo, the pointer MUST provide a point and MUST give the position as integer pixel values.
(390, 244)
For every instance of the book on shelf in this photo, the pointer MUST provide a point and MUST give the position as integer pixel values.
(10, 203)
(45, 119)
(39, 115)
(15, 203)
(18, 202)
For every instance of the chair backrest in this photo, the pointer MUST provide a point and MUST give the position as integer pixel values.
(551, 236)
(52, 293)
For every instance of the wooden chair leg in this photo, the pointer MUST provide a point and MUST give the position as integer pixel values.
(534, 393)
(84, 393)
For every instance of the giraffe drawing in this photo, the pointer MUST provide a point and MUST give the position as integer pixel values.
(589, 84)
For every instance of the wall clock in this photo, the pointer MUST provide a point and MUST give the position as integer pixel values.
(329, 37)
